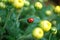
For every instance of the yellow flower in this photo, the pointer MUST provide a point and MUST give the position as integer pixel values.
(38, 33)
(57, 9)
(2, 5)
(26, 3)
(54, 22)
(38, 5)
(54, 30)
(18, 3)
(48, 12)
(45, 25)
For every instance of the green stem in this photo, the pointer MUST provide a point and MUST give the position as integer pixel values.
(50, 36)
(8, 16)
(25, 36)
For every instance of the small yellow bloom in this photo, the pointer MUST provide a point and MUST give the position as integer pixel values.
(2, 5)
(38, 5)
(18, 3)
(54, 30)
(45, 25)
(38, 33)
(48, 12)
(26, 3)
(57, 9)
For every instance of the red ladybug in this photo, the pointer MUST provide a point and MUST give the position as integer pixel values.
(30, 20)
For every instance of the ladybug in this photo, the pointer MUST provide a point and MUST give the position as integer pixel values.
(30, 20)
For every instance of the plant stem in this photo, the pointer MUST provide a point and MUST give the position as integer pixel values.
(24, 36)
(50, 36)
(8, 16)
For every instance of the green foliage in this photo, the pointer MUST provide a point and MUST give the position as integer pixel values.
(14, 25)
